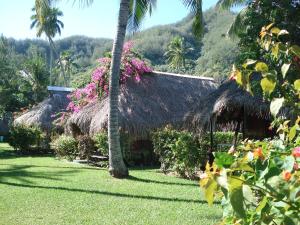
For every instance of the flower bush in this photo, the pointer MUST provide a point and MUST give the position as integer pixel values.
(132, 65)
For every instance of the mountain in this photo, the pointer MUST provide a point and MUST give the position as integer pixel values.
(212, 56)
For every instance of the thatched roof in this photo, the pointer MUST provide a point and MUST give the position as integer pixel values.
(157, 100)
(225, 105)
(43, 114)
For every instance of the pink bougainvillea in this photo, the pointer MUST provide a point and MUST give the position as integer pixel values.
(132, 65)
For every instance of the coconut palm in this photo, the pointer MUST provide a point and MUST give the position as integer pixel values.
(176, 53)
(46, 21)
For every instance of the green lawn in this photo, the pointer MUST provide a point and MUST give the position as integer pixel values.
(47, 191)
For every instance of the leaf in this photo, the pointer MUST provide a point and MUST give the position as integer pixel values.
(268, 84)
(282, 47)
(236, 196)
(288, 163)
(275, 50)
(262, 204)
(275, 30)
(293, 132)
(276, 105)
(296, 50)
(285, 68)
(249, 62)
(210, 188)
(261, 67)
(247, 193)
(297, 84)
(242, 166)
(223, 159)
(269, 26)
(283, 32)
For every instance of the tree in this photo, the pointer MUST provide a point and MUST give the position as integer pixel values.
(176, 53)
(46, 21)
(37, 75)
(69, 66)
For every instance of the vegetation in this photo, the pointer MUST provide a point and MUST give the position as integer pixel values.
(65, 146)
(184, 153)
(261, 178)
(27, 139)
(42, 190)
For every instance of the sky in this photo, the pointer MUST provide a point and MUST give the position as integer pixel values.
(97, 20)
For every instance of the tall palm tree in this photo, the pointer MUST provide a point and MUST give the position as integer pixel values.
(131, 13)
(176, 53)
(46, 21)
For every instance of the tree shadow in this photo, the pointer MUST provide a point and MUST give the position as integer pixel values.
(121, 195)
(23, 174)
(159, 182)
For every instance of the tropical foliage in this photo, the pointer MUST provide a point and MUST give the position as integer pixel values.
(260, 181)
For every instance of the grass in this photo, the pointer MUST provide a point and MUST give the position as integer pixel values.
(46, 191)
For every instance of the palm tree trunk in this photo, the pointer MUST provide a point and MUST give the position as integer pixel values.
(59, 60)
(51, 64)
(117, 167)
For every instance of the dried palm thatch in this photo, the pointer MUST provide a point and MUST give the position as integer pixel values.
(157, 100)
(43, 114)
(228, 104)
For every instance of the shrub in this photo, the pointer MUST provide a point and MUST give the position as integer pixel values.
(26, 138)
(86, 147)
(177, 151)
(101, 143)
(65, 146)
(184, 153)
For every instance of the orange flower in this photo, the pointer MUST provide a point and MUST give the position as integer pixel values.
(286, 175)
(258, 153)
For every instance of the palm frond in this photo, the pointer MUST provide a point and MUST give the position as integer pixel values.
(138, 11)
(195, 6)
(238, 25)
(227, 4)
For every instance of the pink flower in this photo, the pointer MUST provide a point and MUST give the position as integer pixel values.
(98, 73)
(296, 152)
(104, 60)
(127, 46)
(137, 78)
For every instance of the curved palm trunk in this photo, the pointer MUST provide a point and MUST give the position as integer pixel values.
(51, 64)
(117, 167)
(59, 60)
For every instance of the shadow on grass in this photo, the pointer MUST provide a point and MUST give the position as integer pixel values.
(121, 195)
(159, 182)
(23, 174)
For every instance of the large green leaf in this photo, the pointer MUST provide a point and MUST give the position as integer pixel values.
(297, 84)
(210, 189)
(268, 84)
(261, 67)
(285, 68)
(223, 159)
(293, 132)
(236, 196)
(276, 105)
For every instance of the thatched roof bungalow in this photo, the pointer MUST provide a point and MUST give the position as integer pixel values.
(157, 100)
(230, 104)
(46, 112)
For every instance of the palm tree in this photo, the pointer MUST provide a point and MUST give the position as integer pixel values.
(46, 21)
(176, 53)
(131, 13)
(68, 63)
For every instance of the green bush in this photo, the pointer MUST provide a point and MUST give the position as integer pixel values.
(27, 138)
(101, 143)
(65, 146)
(183, 152)
(178, 151)
(86, 146)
